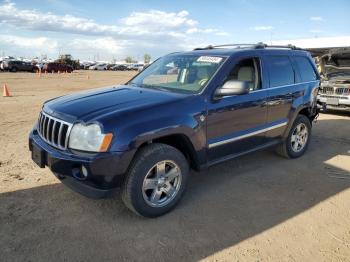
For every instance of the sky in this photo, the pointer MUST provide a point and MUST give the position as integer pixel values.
(106, 30)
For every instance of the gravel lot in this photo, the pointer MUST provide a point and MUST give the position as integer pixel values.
(256, 208)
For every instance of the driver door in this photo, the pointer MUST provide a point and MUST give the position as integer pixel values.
(235, 124)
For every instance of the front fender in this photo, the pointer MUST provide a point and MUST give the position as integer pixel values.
(134, 134)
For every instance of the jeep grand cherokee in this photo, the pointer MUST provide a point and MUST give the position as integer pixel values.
(186, 110)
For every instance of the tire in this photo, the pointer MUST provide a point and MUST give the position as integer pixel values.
(288, 148)
(13, 70)
(144, 169)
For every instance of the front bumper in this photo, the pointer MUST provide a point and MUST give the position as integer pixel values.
(103, 171)
(342, 102)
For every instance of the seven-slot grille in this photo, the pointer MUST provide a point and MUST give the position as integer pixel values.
(329, 90)
(54, 131)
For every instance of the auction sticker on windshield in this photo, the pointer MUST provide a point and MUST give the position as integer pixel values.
(210, 59)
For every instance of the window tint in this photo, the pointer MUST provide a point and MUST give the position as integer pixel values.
(281, 71)
(307, 72)
(247, 70)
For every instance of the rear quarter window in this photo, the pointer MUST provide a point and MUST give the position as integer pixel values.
(306, 70)
(280, 70)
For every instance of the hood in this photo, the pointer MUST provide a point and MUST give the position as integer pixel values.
(87, 106)
(336, 64)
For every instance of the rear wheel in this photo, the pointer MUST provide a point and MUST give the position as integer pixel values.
(156, 180)
(13, 69)
(298, 138)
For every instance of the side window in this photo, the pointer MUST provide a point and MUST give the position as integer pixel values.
(281, 71)
(247, 70)
(307, 72)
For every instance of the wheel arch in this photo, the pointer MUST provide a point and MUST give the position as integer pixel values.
(179, 141)
(302, 110)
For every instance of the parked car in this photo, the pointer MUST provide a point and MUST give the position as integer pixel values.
(56, 67)
(39, 66)
(146, 135)
(16, 65)
(335, 88)
(135, 67)
(98, 67)
(119, 68)
(87, 65)
(109, 66)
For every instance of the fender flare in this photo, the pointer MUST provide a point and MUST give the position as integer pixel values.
(292, 119)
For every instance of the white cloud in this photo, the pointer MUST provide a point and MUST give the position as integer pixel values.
(153, 29)
(317, 42)
(42, 43)
(262, 28)
(85, 47)
(98, 44)
(316, 18)
(151, 24)
(34, 20)
(156, 19)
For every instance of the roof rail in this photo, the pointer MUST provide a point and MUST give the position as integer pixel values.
(225, 45)
(289, 46)
(259, 45)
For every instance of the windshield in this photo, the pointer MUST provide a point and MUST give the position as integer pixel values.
(179, 73)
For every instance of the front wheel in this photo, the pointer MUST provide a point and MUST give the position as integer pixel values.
(156, 180)
(298, 138)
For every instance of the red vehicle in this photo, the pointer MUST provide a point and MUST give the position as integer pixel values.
(55, 67)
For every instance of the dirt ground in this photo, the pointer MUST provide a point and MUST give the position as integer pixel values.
(256, 208)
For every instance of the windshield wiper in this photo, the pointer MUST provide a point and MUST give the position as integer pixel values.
(149, 86)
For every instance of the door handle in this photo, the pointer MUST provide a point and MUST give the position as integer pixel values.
(272, 103)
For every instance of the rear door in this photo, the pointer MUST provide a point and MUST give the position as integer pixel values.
(283, 91)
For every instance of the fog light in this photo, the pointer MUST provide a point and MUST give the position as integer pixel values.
(84, 171)
(80, 173)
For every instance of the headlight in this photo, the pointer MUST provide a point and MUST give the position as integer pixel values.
(89, 138)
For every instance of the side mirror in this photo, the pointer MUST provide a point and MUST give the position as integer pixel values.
(233, 87)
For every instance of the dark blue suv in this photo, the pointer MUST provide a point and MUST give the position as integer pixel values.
(186, 110)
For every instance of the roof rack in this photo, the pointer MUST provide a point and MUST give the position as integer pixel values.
(259, 45)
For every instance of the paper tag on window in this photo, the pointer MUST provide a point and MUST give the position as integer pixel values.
(209, 59)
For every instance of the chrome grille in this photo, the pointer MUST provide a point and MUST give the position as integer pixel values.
(342, 91)
(54, 131)
(328, 90)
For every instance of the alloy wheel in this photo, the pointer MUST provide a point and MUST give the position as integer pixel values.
(162, 183)
(299, 137)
